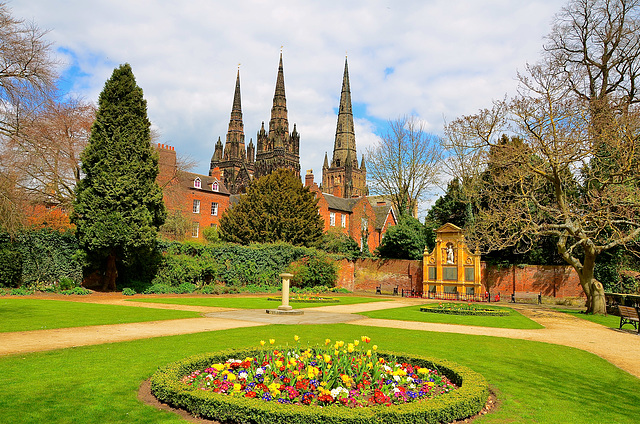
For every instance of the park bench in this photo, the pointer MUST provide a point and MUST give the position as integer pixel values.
(629, 315)
(379, 290)
(526, 296)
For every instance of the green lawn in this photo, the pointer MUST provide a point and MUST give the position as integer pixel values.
(23, 314)
(413, 313)
(535, 382)
(251, 302)
(611, 321)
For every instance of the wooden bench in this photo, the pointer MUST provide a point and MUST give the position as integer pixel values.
(526, 296)
(629, 315)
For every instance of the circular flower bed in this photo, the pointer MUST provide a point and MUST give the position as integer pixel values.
(464, 309)
(339, 382)
(307, 299)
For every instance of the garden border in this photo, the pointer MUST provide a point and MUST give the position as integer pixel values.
(481, 312)
(468, 400)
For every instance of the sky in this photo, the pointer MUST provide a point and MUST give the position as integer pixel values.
(434, 59)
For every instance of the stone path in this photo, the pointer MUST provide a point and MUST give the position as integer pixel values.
(621, 348)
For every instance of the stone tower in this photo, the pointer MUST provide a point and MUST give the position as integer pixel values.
(344, 178)
(234, 160)
(278, 148)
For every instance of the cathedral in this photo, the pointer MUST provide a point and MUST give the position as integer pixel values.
(276, 148)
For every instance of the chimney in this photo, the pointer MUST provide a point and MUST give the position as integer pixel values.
(308, 179)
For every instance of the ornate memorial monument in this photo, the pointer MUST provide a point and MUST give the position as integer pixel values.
(451, 270)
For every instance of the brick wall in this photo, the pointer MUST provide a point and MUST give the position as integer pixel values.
(367, 274)
(554, 281)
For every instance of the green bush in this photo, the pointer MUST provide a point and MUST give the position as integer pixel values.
(20, 292)
(314, 271)
(467, 400)
(160, 289)
(185, 288)
(76, 290)
(10, 268)
(339, 243)
(128, 291)
(49, 256)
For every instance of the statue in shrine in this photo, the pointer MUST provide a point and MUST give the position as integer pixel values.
(450, 254)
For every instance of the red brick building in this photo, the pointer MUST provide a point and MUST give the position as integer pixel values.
(201, 199)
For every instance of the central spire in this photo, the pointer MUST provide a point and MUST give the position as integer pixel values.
(279, 123)
(345, 141)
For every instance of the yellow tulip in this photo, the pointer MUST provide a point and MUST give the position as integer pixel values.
(261, 342)
(296, 337)
(272, 341)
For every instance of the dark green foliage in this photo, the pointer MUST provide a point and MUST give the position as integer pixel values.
(76, 291)
(230, 264)
(311, 271)
(406, 240)
(276, 208)
(451, 208)
(10, 267)
(128, 292)
(339, 243)
(466, 401)
(118, 206)
(211, 235)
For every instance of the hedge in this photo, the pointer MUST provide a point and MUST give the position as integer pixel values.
(477, 312)
(467, 400)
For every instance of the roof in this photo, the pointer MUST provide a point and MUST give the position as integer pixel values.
(207, 181)
(382, 211)
(340, 204)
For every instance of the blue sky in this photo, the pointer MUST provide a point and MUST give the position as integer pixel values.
(436, 59)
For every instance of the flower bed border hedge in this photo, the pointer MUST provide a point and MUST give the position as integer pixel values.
(466, 401)
(319, 300)
(477, 312)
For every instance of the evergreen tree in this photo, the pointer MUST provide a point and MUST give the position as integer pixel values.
(406, 240)
(276, 208)
(118, 206)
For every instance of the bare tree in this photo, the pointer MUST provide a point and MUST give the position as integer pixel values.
(404, 164)
(541, 186)
(45, 153)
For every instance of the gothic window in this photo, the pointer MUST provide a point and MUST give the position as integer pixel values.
(214, 209)
(332, 219)
(196, 206)
(197, 183)
(337, 162)
(214, 186)
(195, 229)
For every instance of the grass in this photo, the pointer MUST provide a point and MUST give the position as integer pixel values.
(413, 313)
(611, 321)
(21, 314)
(250, 302)
(535, 382)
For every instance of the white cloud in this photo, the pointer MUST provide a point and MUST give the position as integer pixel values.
(434, 59)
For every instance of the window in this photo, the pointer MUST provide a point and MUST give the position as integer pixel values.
(214, 209)
(332, 219)
(214, 186)
(343, 220)
(197, 183)
(365, 224)
(195, 229)
(196, 206)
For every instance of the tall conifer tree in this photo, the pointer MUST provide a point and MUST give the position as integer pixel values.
(118, 206)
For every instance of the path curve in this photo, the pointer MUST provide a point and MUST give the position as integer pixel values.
(621, 348)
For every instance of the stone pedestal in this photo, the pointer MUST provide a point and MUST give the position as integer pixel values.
(285, 308)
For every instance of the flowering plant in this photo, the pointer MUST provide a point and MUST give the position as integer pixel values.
(348, 374)
(464, 309)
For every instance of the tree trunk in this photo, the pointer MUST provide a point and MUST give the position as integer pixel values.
(109, 283)
(593, 288)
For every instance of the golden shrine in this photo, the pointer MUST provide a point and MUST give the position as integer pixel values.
(451, 269)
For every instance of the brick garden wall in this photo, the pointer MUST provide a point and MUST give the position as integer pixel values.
(553, 281)
(367, 274)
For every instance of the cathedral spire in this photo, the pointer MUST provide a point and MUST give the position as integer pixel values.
(234, 147)
(345, 141)
(279, 123)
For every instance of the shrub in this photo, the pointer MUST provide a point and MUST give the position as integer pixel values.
(128, 291)
(49, 256)
(314, 271)
(66, 283)
(20, 292)
(337, 242)
(185, 288)
(77, 291)
(10, 268)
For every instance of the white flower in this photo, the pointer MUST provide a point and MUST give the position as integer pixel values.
(243, 375)
(335, 392)
(259, 371)
(396, 377)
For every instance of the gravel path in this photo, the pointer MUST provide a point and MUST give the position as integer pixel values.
(621, 348)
